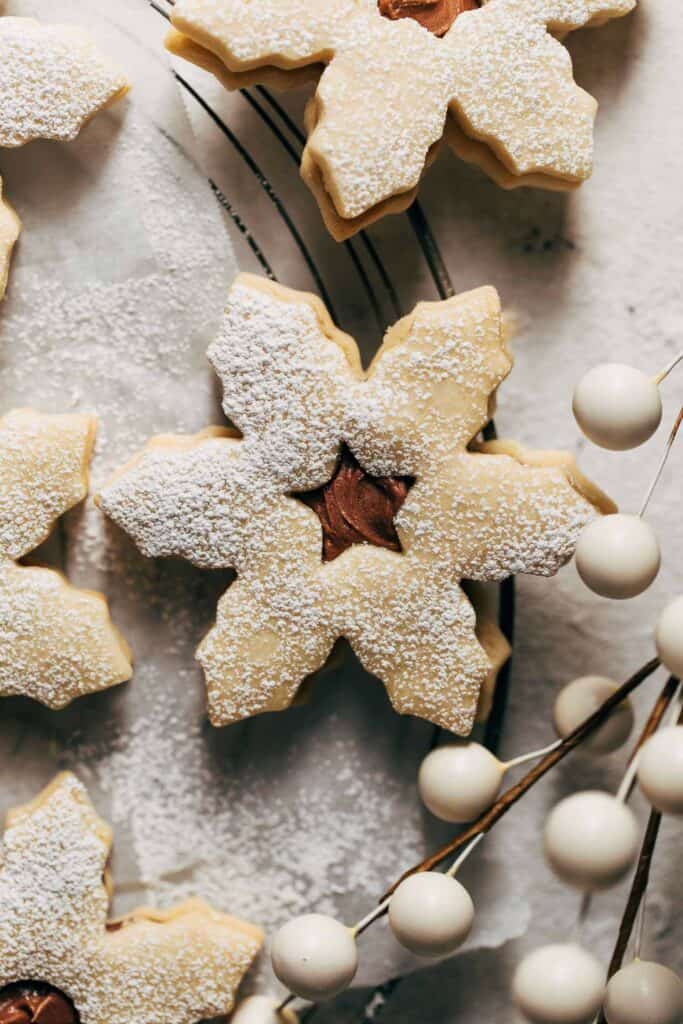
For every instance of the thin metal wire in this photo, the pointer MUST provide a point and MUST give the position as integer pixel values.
(662, 463)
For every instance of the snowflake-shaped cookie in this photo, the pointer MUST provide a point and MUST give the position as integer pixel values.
(175, 966)
(52, 80)
(497, 83)
(56, 642)
(295, 389)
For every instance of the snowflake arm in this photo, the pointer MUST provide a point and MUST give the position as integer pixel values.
(273, 629)
(52, 80)
(500, 511)
(286, 33)
(286, 371)
(515, 89)
(432, 385)
(56, 642)
(415, 629)
(192, 958)
(201, 498)
(43, 472)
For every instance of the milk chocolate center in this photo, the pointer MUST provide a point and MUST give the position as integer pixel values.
(357, 508)
(435, 15)
(34, 1002)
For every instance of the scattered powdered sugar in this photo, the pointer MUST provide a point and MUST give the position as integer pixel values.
(381, 105)
(52, 80)
(155, 968)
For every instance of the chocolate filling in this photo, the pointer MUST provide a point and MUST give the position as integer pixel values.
(356, 508)
(435, 15)
(34, 1002)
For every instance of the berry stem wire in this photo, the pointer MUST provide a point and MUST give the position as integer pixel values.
(634, 910)
(667, 369)
(655, 719)
(533, 755)
(662, 463)
(465, 843)
(511, 796)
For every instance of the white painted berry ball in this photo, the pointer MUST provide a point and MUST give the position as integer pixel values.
(262, 1010)
(559, 984)
(644, 993)
(618, 556)
(459, 781)
(431, 914)
(669, 637)
(590, 840)
(660, 770)
(579, 699)
(617, 406)
(314, 956)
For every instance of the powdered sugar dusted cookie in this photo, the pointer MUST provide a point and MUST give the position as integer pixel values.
(52, 80)
(63, 962)
(366, 539)
(56, 642)
(10, 226)
(493, 76)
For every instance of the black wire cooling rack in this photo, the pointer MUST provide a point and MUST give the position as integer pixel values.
(287, 135)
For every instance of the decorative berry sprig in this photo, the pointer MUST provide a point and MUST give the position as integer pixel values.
(590, 838)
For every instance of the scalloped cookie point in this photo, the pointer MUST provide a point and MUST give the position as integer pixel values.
(295, 389)
(175, 966)
(494, 80)
(53, 79)
(56, 642)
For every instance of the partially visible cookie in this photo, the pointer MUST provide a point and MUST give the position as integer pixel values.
(10, 226)
(56, 642)
(63, 962)
(492, 77)
(52, 80)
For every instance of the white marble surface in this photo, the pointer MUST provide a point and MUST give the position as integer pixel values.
(118, 281)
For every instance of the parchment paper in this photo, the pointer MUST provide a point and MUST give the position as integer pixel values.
(116, 290)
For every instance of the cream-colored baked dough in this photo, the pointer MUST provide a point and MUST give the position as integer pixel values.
(56, 642)
(52, 80)
(175, 966)
(294, 388)
(10, 226)
(499, 84)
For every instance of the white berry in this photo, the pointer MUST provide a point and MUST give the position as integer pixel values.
(617, 406)
(669, 637)
(459, 781)
(660, 770)
(618, 556)
(314, 956)
(262, 1010)
(591, 840)
(560, 984)
(579, 699)
(431, 914)
(644, 993)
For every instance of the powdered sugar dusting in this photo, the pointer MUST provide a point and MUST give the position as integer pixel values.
(157, 968)
(295, 388)
(52, 80)
(382, 103)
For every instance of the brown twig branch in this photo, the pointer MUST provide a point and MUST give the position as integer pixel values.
(641, 877)
(511, 796)
(653, 722)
